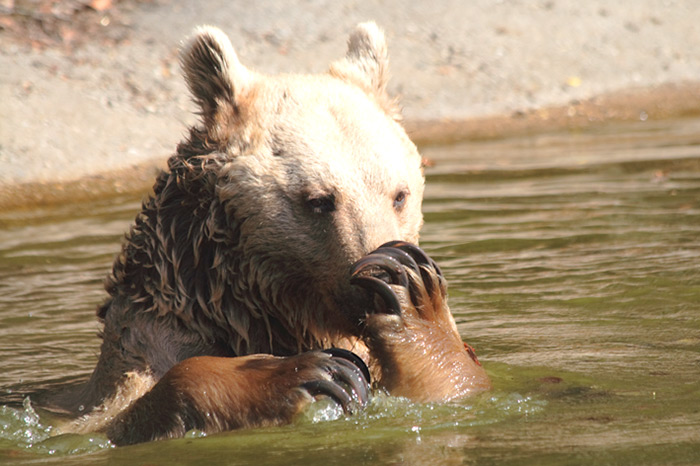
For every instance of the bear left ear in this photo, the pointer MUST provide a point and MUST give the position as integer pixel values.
(366, 65)
(213, 74)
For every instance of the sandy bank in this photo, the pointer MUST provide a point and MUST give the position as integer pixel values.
(95, 114)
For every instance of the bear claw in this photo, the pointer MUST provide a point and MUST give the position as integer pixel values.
(416, 253)
(331, 389)
(400, 255)
(382, 289)
(421, 258)
(387, 265)
(351, 357)
(349, 384)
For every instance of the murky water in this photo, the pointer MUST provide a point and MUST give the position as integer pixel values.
(574, 269)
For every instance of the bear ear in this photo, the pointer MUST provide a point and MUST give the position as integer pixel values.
(366, 65)
(213, 73)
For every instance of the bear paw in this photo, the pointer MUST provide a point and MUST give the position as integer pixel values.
(215, 394)
(349, 380)
(410, 332)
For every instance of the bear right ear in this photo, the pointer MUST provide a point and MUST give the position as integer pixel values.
(366, 65)
(213, 74)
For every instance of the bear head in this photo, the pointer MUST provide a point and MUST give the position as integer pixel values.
(311, 173)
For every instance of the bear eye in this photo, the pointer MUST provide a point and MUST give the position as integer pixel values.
(321, 204)
(400, 199)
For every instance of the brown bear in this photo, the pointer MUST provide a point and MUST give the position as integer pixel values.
(243, 264)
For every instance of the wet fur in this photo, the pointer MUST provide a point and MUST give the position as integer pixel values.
(226, 260)
(218, 394)
(418, 353)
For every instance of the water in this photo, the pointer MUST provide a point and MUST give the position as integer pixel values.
(572, 262)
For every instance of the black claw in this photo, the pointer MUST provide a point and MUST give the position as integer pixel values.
(387, 266)
(421, 259)
(331, 389)
(385, 263)
(349, 386)
(400, 255)
(352, 358)
(347, 375)
(382, 289)
(414, 251)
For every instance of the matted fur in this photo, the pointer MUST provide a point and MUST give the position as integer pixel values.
(227, 257)
(242, 263)
(133, 387)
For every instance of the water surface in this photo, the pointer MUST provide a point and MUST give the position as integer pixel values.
(573, 268)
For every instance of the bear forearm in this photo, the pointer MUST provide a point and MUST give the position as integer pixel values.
(214, 394)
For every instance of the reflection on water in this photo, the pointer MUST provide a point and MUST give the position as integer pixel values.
(573, 268)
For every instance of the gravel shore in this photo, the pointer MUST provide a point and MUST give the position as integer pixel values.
(97, 112)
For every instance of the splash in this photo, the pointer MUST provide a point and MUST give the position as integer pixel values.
(23, 428)
(321, 410)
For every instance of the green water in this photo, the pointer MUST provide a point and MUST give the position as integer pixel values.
(573, 269)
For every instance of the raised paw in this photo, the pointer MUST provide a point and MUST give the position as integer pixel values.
(416, 350)
(397, 267)
(214, 394)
